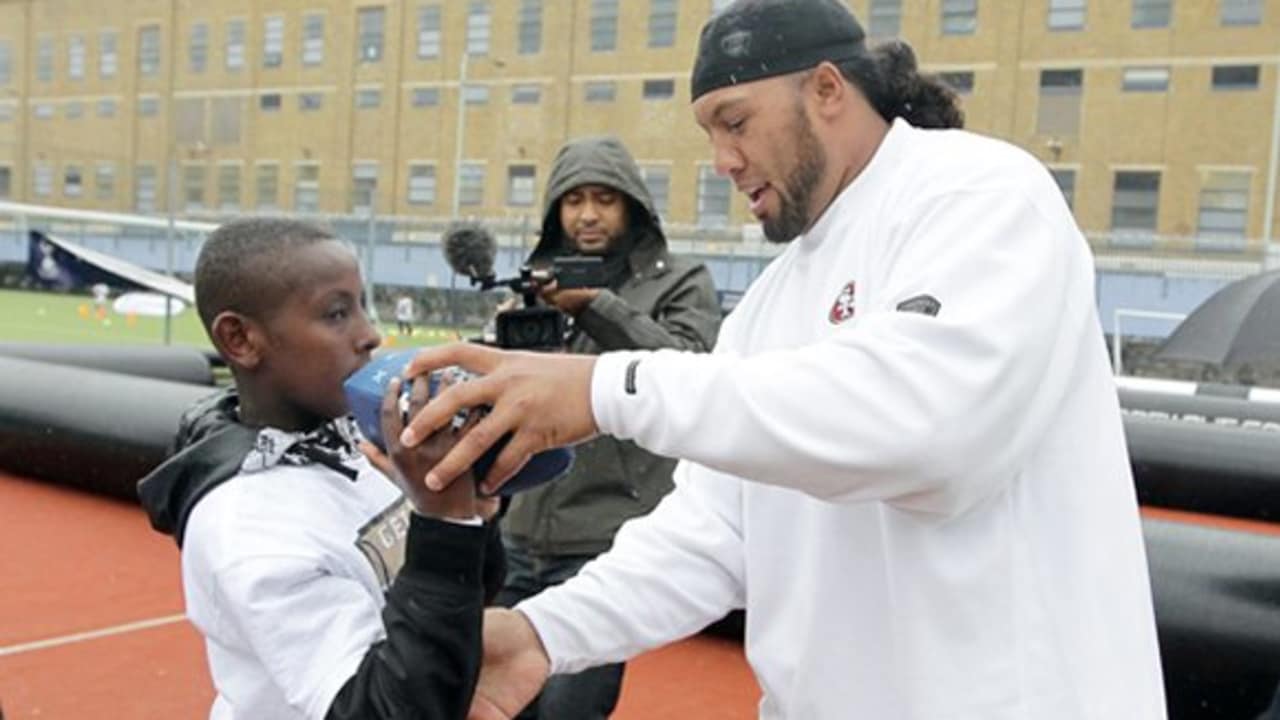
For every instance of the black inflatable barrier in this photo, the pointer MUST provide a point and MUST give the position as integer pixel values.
(1205, 409)
(89, 428)
(1220, 470)
(171, 362)
(1217, 601)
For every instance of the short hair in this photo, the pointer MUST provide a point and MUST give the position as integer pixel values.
(243, 266)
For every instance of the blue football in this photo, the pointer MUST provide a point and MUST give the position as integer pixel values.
(366, 387)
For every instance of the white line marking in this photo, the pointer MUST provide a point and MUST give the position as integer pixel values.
(92, 634)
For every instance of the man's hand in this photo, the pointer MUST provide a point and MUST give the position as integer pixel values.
(544, 400)
(408, 466)
(515, 666)
(571, 301)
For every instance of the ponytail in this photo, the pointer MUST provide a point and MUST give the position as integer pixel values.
(888, 76)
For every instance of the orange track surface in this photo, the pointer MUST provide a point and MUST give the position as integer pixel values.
(90, 626)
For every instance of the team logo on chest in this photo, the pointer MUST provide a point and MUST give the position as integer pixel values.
(842, 308)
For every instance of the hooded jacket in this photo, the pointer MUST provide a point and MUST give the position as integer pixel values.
(428, 660)
(654, 300)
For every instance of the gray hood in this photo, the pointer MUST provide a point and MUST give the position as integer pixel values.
(598, 160)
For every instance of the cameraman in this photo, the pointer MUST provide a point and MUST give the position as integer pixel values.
(597, 204)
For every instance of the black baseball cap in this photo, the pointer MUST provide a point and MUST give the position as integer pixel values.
(755, 39)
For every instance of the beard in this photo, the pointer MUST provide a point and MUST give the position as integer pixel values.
(796, 194)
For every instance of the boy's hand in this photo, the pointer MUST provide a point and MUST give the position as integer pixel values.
(408, 466)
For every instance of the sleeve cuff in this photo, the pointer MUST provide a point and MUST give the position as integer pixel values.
(448, 550)
(617, 378)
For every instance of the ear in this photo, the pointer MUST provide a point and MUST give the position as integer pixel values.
(238, 338)
(828, 90)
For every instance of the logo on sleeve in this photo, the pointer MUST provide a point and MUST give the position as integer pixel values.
(921, 304)
(842, 309)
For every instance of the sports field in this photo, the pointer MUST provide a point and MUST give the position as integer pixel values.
(44, 317)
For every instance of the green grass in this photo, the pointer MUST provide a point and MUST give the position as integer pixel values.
(40, 317)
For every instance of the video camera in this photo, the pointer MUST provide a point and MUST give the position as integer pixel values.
(470, 251)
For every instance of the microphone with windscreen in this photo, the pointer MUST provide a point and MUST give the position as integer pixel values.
(470, 249)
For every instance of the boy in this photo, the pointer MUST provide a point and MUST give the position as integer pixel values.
(323, 588)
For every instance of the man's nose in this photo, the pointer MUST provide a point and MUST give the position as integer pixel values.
(726, 158)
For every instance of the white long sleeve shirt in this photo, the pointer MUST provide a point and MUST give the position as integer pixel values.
(905, 459)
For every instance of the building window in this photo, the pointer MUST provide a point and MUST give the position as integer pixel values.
(713, 198)
(428, 32)
(1241, 12)
(422, 184)
(44, 59)
(104, 181)
(657, 180)
(108, 59)
(306, 188)
(226, 114)
(529, 32)
(228, 187)
(1224, 209)
(659, 89)
(601, 91)
(148, 106)
(1060, 93)
(1145, 79)
(75, 57)
(43, 111)
(269, 102)
(149, 50)
(312, 39)
(144, 188)
(471, 184)
(960, 81)
(368, 98)
(1134, 204)
(1066, 14)
(42, 179)
(193, 187)
(6, 181)
(74, 110)
(475, 94)
(106, 108)
(266, 185)
(189, 120)
(885, 18)
(1066, 179)
(604, 25)
(6, 64)
(959, 17)
(478, 26)
(6, 112)
(272, 41)
(662, 23)
(198, 48)
(235, 45)
(72, 182)
(364, 187)
(526, 94)
(426, 97)
(310, 102)
(1151, 13)
(1235, 77)
(520, 185)
(369, 23)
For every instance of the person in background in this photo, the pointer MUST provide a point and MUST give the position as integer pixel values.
(405, 315)
(597, 205)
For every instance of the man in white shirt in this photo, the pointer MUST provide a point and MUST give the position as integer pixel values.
(904, 458)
